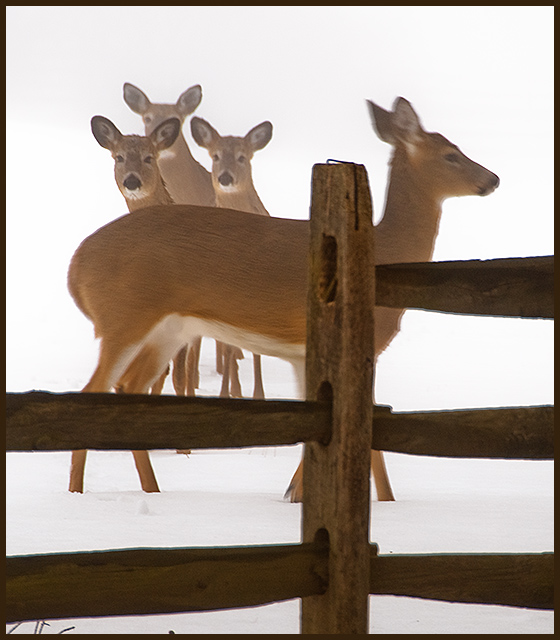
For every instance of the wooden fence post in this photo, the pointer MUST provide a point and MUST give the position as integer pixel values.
(340, 367)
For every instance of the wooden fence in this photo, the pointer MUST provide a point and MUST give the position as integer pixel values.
(335, 568)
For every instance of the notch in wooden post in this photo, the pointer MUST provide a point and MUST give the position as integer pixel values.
(328, 276)
(339, 367)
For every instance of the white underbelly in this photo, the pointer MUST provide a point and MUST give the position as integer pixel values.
(174, 331)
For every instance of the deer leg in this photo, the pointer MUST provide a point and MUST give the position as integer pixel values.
(226, 355)
(151, 363)
(380, 477)
(105, 376)
(158, 386)
(379, 470)
(188, 357)
(220, 357)
(143, 373)
(258, 392)
(145, 471)
(235, 384)
(179, 373)
(77, 469)
(198, 346)
(295, 489)
(192, 365)
(193, 360)
(382, 485)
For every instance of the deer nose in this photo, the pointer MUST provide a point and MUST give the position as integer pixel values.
(132, 183)
(225, 179)
(492, 185)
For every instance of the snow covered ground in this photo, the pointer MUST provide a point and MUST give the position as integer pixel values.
(220, 498)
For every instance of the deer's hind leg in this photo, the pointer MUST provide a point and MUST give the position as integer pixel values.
(143, 373)
(112, 362)
(381, 477)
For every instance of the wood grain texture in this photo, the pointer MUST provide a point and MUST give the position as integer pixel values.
(40, 421)
(509, 432)
(340, 368)
(50, 422)
(517, 287)
(155, 581)
(520, 580)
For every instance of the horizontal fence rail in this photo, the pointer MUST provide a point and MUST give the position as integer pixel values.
(515, 287)
(511, 579)
(158, 581)
(522, 433)
(56, 422)
(41, 421)
(155, 581)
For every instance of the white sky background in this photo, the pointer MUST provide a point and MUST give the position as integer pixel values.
(481, 76)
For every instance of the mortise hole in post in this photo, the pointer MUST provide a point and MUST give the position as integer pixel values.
(325, 392)
(322, 537)
(328, 280)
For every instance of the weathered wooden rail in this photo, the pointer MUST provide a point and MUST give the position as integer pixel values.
(335, 568)
(158, 581)
(515, 287)
(42, 421)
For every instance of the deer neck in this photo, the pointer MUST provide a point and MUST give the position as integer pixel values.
(410, 223)
(159, 197)
(247, 200)
(187, 180)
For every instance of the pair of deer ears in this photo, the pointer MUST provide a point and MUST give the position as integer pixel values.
(108, 136)
(402, 124)
(204, 134)
(139, 102)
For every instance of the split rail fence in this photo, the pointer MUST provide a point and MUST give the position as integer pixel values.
(335, 568)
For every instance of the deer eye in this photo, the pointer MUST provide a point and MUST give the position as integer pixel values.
(215, 157)
(452, 157)
(119, 159)
(241, 159)
(148, 159)
(147, 119)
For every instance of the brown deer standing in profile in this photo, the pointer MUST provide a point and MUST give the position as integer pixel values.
(426, 169)
(176, 272)
(188, 182)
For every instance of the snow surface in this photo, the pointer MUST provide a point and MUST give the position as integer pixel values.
(221, 498)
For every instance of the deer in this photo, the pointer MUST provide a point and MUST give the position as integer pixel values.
(233, 185)
(137, 173)
(426, 169)
(254, 296)
(188, 182)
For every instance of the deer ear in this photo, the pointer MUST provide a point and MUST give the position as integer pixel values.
(105, 132)
(260, 135)
(202, 132)
(406, 123)
(189, 100)
(382, 122)
(137, 100)
(165, 134)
